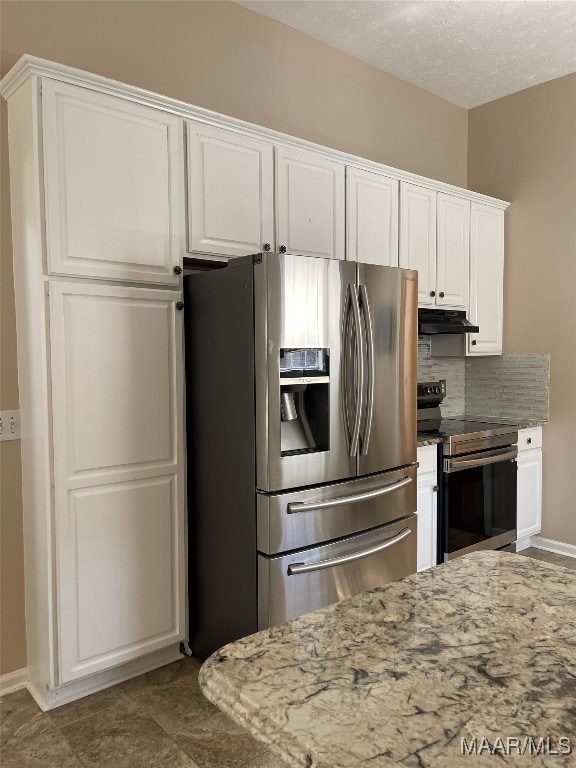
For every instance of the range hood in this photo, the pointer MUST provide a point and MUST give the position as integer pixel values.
(444, 321)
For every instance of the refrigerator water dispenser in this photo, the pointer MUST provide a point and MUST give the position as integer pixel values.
(304, 400)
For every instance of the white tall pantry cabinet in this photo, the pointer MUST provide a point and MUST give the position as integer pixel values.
(96, 185)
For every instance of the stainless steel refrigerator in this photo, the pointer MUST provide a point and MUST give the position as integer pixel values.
(301, 426)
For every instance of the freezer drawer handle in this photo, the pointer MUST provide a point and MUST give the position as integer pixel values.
(301, 506)
(297, 568)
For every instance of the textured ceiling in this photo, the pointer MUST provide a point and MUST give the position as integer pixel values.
(468, 51)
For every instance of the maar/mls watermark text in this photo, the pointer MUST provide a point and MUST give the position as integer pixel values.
(514, 745)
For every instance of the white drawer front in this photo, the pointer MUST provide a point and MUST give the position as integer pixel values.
(530, 438)
(427, 458)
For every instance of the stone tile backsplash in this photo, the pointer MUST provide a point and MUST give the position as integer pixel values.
(508, 387)
(453, 369)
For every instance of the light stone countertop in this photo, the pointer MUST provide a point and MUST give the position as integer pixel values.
(520, 423)
(484, 646)
(424, 440)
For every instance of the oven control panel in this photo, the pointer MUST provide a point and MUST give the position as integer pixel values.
(431, 391)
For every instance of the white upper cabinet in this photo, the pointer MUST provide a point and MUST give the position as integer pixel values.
(453, 251)
(118, 473)
(113, 186)
(309, 204)
(230, 192)
(372, 217)
(418, 238)
(486, 279)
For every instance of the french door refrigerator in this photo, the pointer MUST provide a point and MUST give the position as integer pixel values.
(301, 424)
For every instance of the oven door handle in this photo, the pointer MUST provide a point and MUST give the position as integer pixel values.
(297, 568)
(490, 457)
(302, 506)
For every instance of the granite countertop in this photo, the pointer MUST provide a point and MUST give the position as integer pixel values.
(484, 646)
(423, 440)
(520, 423)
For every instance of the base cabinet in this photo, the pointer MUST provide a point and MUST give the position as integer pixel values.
(529, 521)
(427, 508)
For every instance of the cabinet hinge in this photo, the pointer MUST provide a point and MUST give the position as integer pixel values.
(435, 488)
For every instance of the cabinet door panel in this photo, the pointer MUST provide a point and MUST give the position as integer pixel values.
(372, 218)
(121, 575)
(529, 493)
(427, 522)
(231, 192)
(486, 279)
(113, 181)
(418, 238)
(114, 386)
(310, 204)
(118, 481)
(453, 257)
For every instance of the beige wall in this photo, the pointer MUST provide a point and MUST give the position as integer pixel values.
(523, 148)
(12, 625)
(223, 57)
(227, 58)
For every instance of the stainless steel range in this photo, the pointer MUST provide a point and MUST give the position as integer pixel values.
(476, 477)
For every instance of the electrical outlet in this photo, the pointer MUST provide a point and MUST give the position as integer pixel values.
(9, 425)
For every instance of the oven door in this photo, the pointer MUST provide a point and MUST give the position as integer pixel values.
(479, 501)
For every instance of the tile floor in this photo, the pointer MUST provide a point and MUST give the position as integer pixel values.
(550, 557)
(157, 720)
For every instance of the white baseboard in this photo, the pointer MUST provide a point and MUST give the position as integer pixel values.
(558, 547)
(524, 543)
(77, 689)
(13, 681)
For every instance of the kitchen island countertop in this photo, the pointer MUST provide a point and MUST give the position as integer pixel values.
(480, 648)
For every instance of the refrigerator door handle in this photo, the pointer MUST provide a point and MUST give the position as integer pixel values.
(347, 363)
(297, 568)
(359, 364)
(365, 306)
(301, 506)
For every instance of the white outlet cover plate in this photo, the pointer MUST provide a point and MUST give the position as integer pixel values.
(10, 425)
